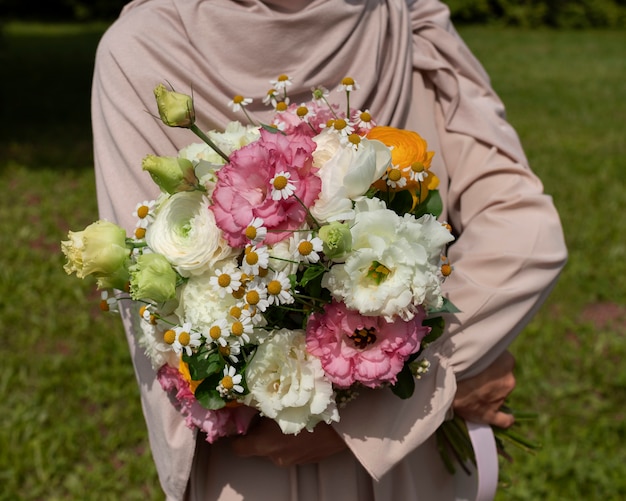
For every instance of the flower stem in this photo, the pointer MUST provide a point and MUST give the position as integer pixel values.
(194, 128)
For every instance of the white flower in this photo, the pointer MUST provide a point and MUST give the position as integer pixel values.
(256, 232)
(226, 280)
(186, 339)
(279, 289)
(346, 174)
(256, 298)
(392, 268)
(255, 258)
(282, 187)
(307, 249)
(231, 382)
(150, 338)
(363, 119)
(394, 179)
(241, 328)
(238, 102)
(288, 384)
(348, 84)
(217, 332)
(200, 304)
(144, 209)
(184, 231)
(271, 97)
(282, 82)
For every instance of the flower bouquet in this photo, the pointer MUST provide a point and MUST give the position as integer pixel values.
(283, 266)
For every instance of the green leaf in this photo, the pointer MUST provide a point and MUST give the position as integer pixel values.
(207, 395)
(311, 273)
(405, 384)
(436, 325)
(204, 364)
(447, 307)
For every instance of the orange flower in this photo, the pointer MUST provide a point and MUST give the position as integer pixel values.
(408, 154)
(183, 368)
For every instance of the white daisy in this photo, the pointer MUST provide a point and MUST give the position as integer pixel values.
(144, 209)
(226, 280)
(230, 383)
(256, 232)
(271, 97)
(363, 119)
(256, 298)
(241, 328)
(348, 85)
(218, 332)
(238, 102)
(394, 178)
(231, 351)
(282, 187)
(320, 94)
(108, 302)
(282, 82)
(279, 289)
(305, 113)
(186, 339)
(255, 258)
(417, 171)
(307, 249)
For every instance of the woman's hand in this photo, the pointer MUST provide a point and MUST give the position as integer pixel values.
(267, 440)
(479, 398)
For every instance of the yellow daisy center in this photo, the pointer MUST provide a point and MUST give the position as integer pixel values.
(223, 280)
(340, 124)
(282, 78)
(140, 233)
(262, 272)
(305, 248)
(282, 106)
(365, 116)
(224, 350)
(417, 167)
(302, 111)
(239, 293)
(184, 338)
(169, 336)
(446, 270)
(347, 81)
(250, 232)
(227, 382)
(354, 139)
(104, 306)
(395, 175)
(238, 99)
(252, 297)
(235, 312)
(274, 287)
(237, 328)
(280, 182)
(215, 332)
(142, 211)
(252, 258)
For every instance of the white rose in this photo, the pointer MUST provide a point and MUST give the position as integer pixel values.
(346, 174)
(184, 231)
(288, 384)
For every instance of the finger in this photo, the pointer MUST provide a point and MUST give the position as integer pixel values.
(502, 420)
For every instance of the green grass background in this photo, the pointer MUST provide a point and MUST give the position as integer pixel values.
(70, 422)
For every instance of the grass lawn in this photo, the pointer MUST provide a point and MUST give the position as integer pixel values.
(71, 421)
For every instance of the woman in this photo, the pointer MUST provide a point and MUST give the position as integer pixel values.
(415, 73)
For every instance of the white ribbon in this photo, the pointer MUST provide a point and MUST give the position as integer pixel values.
(482, 484)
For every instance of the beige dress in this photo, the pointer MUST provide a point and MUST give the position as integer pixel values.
(414, 73)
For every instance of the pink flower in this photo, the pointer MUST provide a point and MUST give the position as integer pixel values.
(244, 189)
(221, 423)
(356, 348)
(319, 115)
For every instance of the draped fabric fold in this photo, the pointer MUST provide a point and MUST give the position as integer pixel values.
(414, 73)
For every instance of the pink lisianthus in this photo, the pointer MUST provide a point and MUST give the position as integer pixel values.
(356, 348)
(312, 124)
(244, 191)
(221, 423)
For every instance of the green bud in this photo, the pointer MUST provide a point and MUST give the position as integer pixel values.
(337, 239)
(100, 249)
(175, 109)
(171, 174)
(152, 277)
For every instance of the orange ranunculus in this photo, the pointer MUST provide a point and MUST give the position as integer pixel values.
(407, 148)
(183, 368)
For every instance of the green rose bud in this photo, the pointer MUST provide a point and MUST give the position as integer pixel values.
(337, 239)
(118, 280)
(175, 109)
(100, 249)
(172, 174)
(152, 277)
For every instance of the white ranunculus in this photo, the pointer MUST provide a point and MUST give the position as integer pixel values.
(184, 231)
(281, 257)
(392, 268)
(346, 173)
(288, 384)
